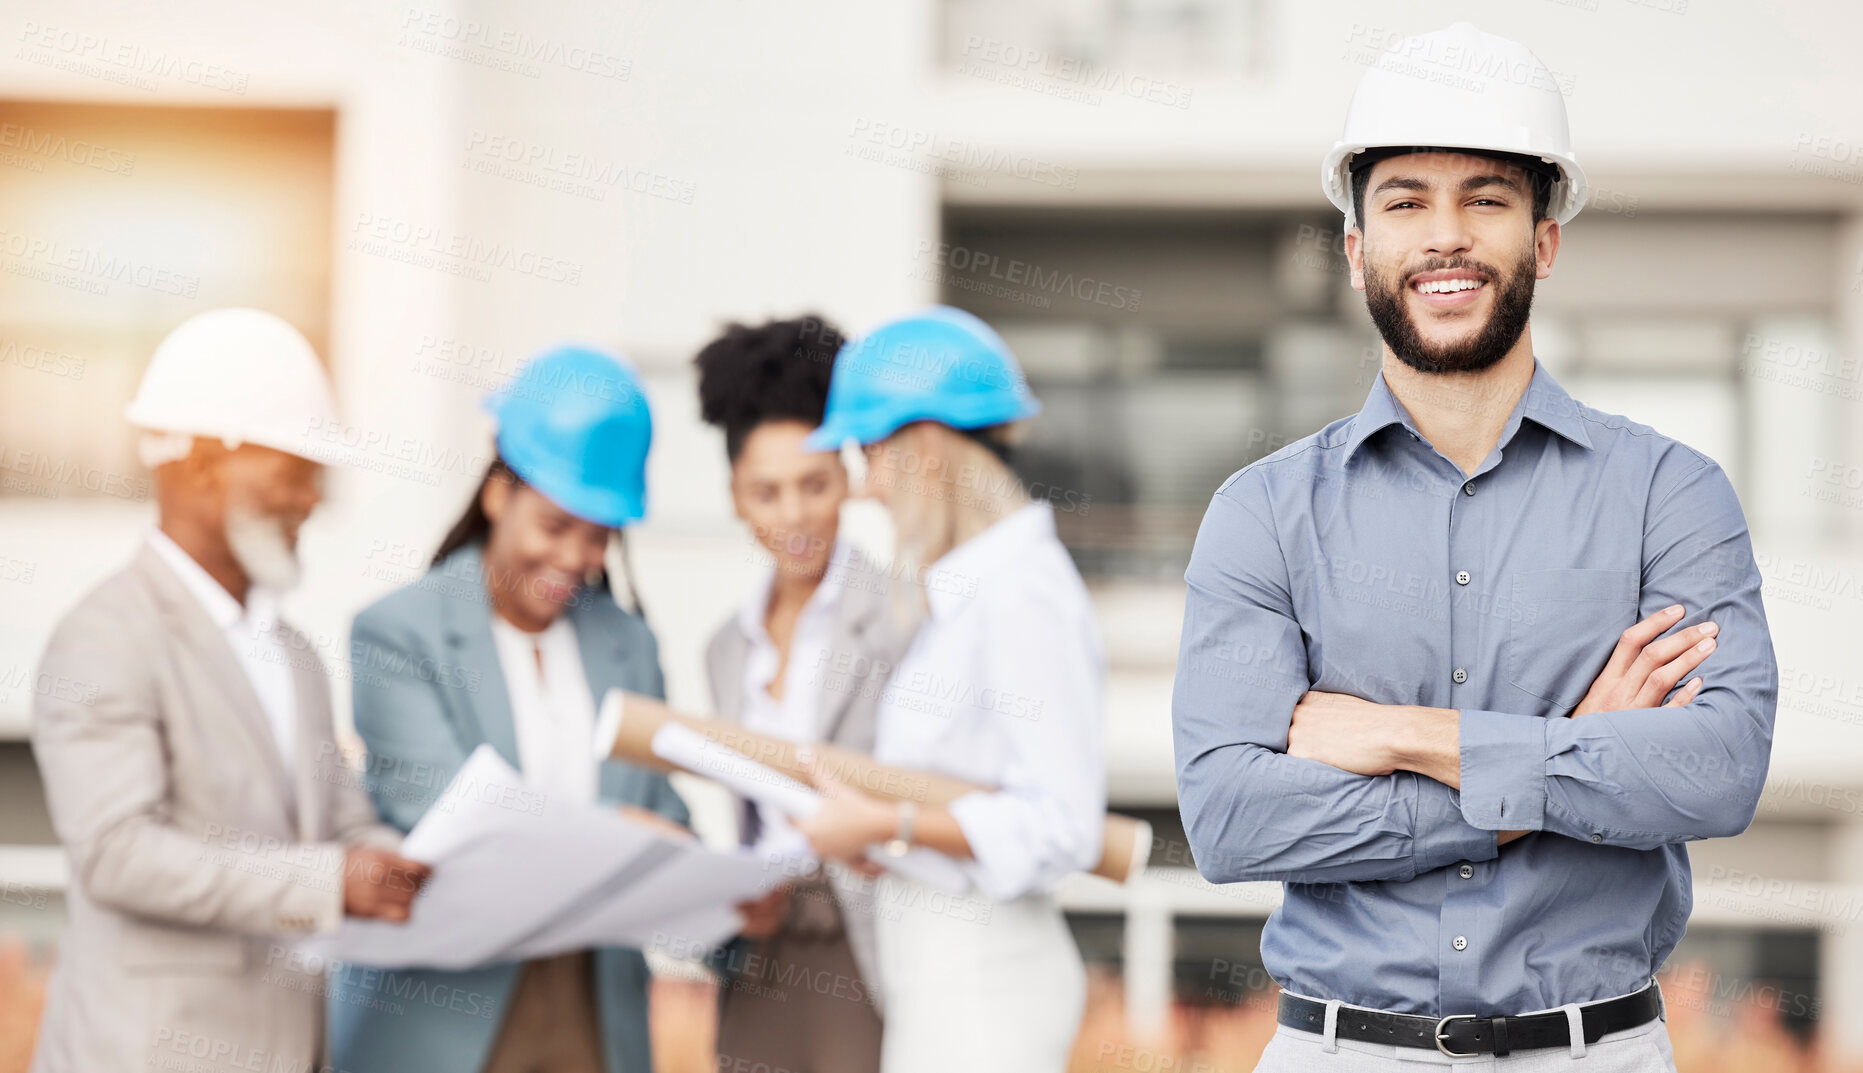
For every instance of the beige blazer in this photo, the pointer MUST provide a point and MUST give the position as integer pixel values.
(868, 641)
(196, 859)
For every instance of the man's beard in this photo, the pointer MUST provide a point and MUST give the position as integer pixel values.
(1513, 302)
(261, 547)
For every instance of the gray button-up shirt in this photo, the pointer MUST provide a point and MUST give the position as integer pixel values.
(1337, 564)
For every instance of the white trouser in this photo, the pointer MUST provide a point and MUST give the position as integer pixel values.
(974, 985)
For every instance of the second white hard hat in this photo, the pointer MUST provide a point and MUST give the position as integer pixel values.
(236, 375)
(1459, 88)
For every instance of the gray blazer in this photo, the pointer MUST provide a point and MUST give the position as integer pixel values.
(868, 642)
(195, 855)
(429, 689)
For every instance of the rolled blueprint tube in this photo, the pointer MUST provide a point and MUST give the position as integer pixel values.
(625, 728)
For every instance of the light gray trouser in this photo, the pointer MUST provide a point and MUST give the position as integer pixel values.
(1643, 1049)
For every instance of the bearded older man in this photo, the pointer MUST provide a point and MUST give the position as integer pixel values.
(207, 814)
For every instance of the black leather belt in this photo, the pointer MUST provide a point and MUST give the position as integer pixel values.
(1464, 1033)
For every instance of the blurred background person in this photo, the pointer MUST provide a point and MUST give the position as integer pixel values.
(822, 605)
(510, 639)
(191, 770)
(1002, 685)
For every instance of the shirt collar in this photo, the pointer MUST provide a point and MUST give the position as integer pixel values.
(1552, 408)
(1544, 401)
(224, 611)
(1381, 410)
(952, 582)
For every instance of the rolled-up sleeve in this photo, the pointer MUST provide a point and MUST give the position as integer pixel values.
(1645, 777)
(1250, 811)
(1045, 676)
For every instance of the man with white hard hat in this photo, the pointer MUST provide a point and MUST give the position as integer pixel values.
(1438, 663)
(206, 811)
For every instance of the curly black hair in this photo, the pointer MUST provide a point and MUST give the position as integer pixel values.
(773, 372)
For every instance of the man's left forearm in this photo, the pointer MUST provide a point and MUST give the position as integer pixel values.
(1426, 741)
(1369, 738)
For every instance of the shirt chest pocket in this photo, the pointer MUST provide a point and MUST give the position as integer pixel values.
(1563, 627)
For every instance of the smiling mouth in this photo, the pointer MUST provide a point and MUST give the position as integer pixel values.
(1448, 289)
(1448, 286)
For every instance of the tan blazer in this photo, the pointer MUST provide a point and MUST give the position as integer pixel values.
(196, 859)
(868, 640)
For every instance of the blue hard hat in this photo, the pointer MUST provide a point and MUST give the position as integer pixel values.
(574, 425)
(940, 365)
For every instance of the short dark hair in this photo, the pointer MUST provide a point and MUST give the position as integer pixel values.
(776, 371)
(1539, 173)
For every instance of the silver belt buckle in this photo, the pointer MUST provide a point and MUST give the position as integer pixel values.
(1441, 1035)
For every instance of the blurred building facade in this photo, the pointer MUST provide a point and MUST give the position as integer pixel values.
(1128, 190)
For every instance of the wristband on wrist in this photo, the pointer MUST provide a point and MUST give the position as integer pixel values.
(902, 837)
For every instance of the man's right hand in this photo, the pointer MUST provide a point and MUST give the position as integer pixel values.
(1643, 669)
(379, 884)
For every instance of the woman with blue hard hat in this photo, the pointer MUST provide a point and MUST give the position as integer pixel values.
(509, 639)
(1002, 686)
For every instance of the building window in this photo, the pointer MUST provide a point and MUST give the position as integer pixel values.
(126, 221)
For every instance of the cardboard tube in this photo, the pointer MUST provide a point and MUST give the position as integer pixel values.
(626, 725)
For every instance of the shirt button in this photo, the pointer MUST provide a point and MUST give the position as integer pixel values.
(1468, 489)
(1461, 577)
(1597, 838)
(1460, 943)
(1459, 676)
(1467, 871)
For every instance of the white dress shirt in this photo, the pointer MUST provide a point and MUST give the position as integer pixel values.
(1004, 685)
(797, 716)
(252, 632)
(551, 706)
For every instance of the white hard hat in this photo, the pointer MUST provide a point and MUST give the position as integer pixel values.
(236, 375)
(1459, 88)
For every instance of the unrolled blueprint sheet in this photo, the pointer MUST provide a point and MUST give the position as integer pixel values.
(518, 873)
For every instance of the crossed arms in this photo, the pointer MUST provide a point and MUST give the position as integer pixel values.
(1278, 783)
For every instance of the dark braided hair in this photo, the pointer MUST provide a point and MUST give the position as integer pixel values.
(473, 526)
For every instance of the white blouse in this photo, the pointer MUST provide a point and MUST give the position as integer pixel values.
(797, 716)
(1004, 685)
(552, 707)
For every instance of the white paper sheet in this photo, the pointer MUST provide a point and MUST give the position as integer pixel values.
(518, 873)
(662, 913)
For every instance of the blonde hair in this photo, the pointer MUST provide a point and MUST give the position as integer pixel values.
(971, 489)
